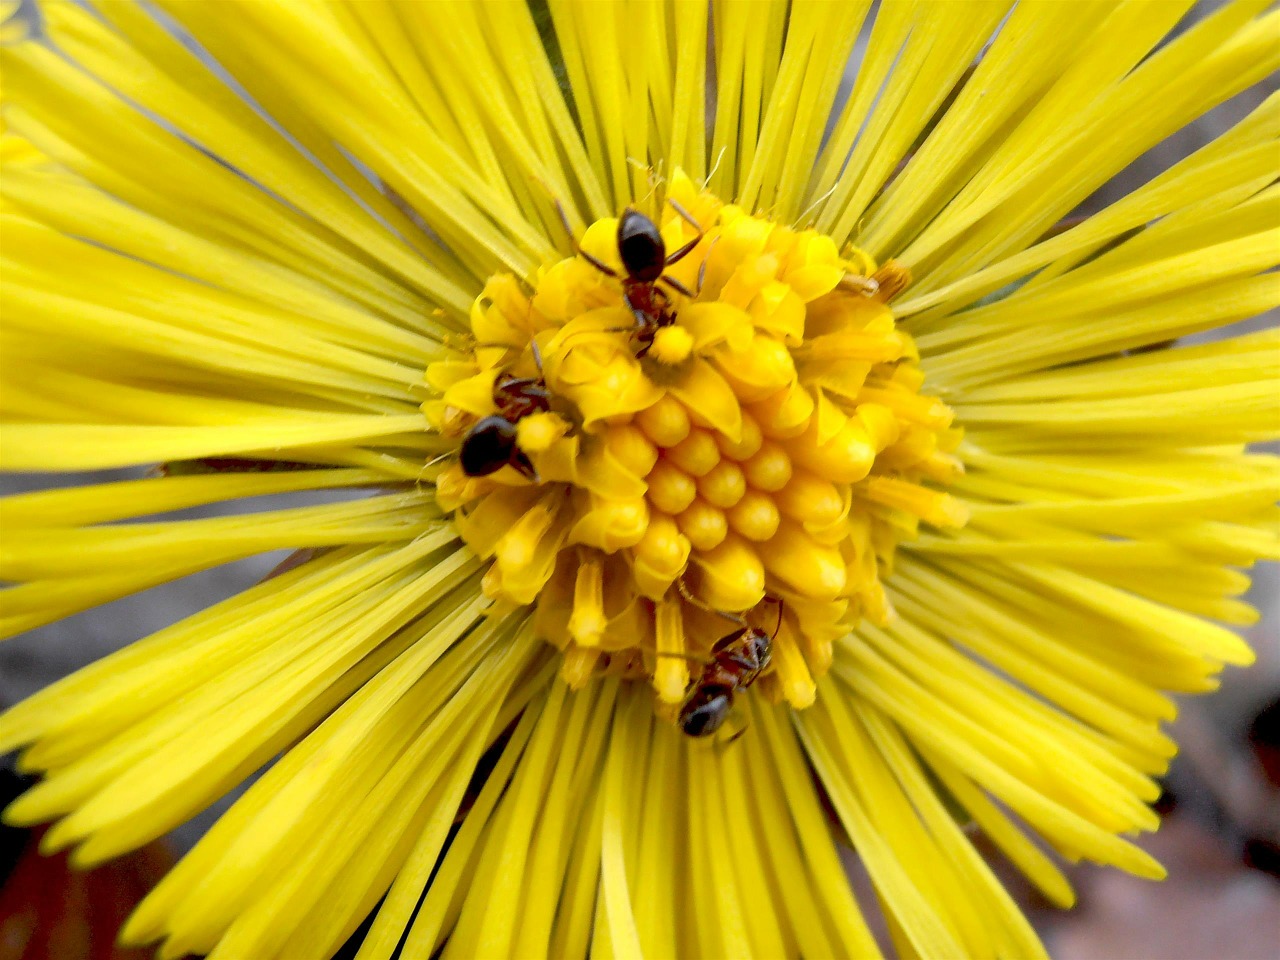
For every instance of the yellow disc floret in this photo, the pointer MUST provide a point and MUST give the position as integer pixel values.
(754, 434)
(671, 345)
(536, 432)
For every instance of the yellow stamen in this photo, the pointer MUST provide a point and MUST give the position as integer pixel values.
(536, 433)
(578, 667)
(729, 576)
(723, 485)
(746, 445)
(769, 469)
(938, 508)
(666, 422)
(660, 557)
(671, 490)
(696, 454)
(671, 672)
(704, 525)
(755, 516)
(793, 672)
(632, 449)
(672, 345)
(587, 623)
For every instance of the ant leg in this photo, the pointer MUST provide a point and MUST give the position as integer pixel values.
(682, 656)
(528, 388)
(731, 617)
(677, 286)
(702, 276)
(741, 724)
(688, 247)
(537, 356)
(599, 265)
(602, 267)
(702, 270)
(564, 222)
(517, 382)
(521, 463)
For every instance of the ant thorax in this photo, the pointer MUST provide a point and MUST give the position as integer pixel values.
(696, 414)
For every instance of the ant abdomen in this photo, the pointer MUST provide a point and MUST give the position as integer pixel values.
(488, 446)
(640, 247)
(705, 711)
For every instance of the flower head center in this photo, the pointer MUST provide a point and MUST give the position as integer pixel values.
(673, 467)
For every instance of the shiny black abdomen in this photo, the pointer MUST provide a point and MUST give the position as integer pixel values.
(488, 446)
(705, 711)
(640, 246)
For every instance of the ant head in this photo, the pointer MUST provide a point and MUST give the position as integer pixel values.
(705, 712)
(758, 649)
(640, 245)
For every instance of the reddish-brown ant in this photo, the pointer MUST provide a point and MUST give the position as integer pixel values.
(490, 444)
(737, 660)
(644, 256)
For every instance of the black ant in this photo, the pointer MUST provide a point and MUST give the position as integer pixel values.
(644, 257)
(490, 444)
(737, 660)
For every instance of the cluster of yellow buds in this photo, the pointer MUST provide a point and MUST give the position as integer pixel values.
(770, 440)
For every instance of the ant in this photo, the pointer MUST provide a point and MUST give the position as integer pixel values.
(737, 660)
(490, 444)
(644, 256)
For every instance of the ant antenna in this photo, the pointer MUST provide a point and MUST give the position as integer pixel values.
(564, 218)
(778, 625)
(682, 656)
(564, 222)
(684, 251)
(702, 269)
(676, 285)
(577, 249)
(537, 356)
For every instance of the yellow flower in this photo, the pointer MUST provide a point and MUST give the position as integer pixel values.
(890, 456)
